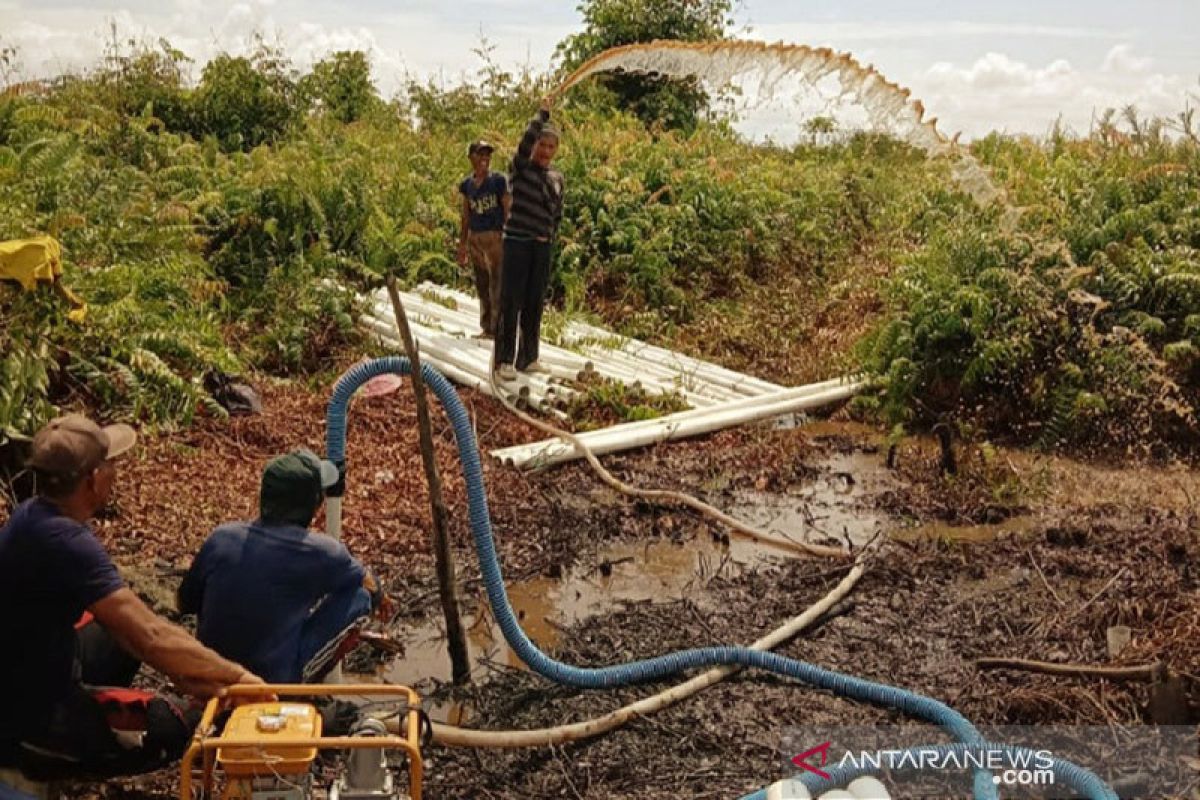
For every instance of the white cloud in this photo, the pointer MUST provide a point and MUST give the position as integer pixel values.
(408, 40)
(998, 72)
(824, 33)
(997, 91)
(1122, 59)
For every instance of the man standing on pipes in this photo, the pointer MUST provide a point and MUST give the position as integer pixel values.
(537, 204)
(485, 205)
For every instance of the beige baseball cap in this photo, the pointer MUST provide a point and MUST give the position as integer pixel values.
(72, 446)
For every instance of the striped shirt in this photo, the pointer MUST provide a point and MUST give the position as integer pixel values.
(537, 192)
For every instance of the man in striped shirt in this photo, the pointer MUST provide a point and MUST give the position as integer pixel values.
(537, 204)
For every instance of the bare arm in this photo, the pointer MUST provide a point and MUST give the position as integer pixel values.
(506, 204)
(464, 226)
(168, 648)
(525, 148)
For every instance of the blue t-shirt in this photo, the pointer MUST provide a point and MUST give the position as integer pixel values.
(487, 213)
(253, 587)
(52, 569)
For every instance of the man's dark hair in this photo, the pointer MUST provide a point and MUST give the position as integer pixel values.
(54, 486)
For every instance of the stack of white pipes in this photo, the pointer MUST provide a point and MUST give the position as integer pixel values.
(444, 323)
(629, 361)
(446, 344)
(687, 369)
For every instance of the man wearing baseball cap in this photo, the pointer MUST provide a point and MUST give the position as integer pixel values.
(486, 201)
(270, 593)
(62, 717)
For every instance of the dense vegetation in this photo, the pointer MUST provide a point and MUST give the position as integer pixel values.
(1077, 325)
(201, 223)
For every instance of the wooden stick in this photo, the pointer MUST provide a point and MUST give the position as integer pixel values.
(457, 640)
(1142, 672)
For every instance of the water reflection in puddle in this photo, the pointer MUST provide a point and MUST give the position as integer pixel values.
(657, 571)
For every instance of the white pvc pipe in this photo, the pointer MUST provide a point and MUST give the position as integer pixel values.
(446, 323)
(620, 431)
(622, 359)
(561, 363)
(653, 384)
(432, 310)
(681, 382)
(471, 369)
(556, 451)
(333, 517)
(733, 385)
(674, 362)
(453, 372)
(708, 388)
(576, 331)
(663, 363)
(788, 789)
(534, 385)
(462, 299)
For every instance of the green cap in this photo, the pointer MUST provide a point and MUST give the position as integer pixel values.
(293, 486)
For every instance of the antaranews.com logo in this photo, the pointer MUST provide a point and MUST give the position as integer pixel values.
(1010, 768)
(916, 760)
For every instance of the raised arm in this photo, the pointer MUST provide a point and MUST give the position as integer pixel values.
(525, 148)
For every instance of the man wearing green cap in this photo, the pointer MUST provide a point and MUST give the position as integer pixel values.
(274, 595)
(65, 713)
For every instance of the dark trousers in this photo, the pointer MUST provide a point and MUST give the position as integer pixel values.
(522, 296)
(102, 729)
(330, 633)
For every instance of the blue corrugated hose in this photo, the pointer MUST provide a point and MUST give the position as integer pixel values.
(652, 668)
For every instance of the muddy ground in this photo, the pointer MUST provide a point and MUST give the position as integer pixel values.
(1015, 556)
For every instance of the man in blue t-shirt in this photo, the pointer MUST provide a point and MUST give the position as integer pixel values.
(486, 201)
(72, 633)
(272, 594)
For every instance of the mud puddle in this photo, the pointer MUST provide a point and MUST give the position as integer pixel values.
(659, 571)
(838, 505)
(835, 506)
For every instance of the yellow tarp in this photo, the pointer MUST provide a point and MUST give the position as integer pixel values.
(39, 260)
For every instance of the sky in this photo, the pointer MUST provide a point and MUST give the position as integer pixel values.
(1016, 66)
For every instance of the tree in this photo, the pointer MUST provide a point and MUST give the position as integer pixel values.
(246, 102)
(341, 85)
(611, 23)
(819, 127)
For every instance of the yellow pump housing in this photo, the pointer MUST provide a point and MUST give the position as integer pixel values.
(265, 742)
(285, 728)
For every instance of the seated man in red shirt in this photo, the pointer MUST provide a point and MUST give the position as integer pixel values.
(61, 718)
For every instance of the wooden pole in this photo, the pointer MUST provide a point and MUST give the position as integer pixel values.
(460, 664)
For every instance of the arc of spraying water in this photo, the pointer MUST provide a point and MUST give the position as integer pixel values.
(720, 61)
